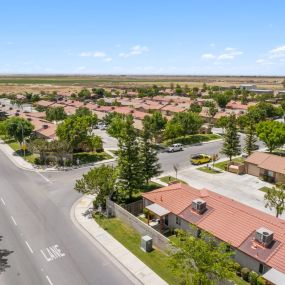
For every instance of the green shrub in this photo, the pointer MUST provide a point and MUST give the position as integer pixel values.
(245, 273)
(260, 281)
(253, 278)
(237, 268)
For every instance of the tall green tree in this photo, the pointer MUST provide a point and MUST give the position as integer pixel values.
(250, 139)
(98, 181)
(55, 114)
(148, 155)
(156, 124)
(272, 133)
(275, 199)
(76, 130)
(129, 165)
(19, 128)
(222, 99)
(231, 145)
(202, 260)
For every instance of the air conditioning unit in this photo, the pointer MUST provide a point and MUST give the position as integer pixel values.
(199, 206)
(264, 236)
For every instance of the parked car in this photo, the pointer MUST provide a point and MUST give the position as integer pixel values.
(175, 147)
(200, 159)
(101, 126)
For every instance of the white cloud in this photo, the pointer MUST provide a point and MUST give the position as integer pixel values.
(208, 56)
(80, 68)
(108, 59)
(135, 50)
(277, 52)
(263, 61)
(228, 54)
(99, 54)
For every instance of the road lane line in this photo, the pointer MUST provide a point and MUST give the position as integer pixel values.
(29, 247)
(13, 220)
(49, 281)
(42, 176)
(3, 202)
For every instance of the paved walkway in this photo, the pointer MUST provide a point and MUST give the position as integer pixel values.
(128, 260)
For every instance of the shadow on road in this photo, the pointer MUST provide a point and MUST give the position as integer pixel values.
(4, 253)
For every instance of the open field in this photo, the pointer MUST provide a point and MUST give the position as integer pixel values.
(73, 83)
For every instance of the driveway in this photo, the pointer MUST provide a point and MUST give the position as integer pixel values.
(242, 188)
(108, 141)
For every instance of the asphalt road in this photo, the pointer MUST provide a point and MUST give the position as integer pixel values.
(39, 244)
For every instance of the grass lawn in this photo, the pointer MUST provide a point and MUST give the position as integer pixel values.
(156, 260)
(89, 157)
(264, 189)
(209, 170)
(223, 164)
(170, 179)
(192, 139)
(30, 157)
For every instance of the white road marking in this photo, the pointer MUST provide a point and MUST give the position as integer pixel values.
(3, 202)
(52, 253)
(29, 247)
(42, 176)
(13, 220)
(49, 281)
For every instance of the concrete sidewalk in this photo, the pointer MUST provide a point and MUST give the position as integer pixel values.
(142, 273)
(16, 159)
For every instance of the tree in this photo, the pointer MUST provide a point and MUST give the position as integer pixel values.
(189, 123)
(55, 114)
(129, 165)
(83, 111)
(172, 130)
(222, 99)
(19, 128)
(195, 107)
(212, 111)
(202, 260)
(148, 156)
(222, 122)
(283, 83)
(76, 130)
(84, 94)
(96, 143)
(156, 123)
(250, 139)
(99, 181)
(272, 133)
(275, 199)
(115, 128)
(231, 145)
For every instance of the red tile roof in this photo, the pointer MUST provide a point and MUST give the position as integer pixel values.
(228, 220)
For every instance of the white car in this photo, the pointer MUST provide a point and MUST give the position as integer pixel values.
(175, 147)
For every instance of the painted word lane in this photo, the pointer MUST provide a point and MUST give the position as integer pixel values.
(52, 253)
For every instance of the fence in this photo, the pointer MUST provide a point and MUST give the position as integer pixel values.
(134, 208)
(159, 240)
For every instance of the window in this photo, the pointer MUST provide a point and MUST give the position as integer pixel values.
(178, 221)
(261, 268)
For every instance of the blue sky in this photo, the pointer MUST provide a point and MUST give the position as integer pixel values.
(223, 37)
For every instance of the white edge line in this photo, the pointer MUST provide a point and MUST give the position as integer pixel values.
(29, 247)
(3, 202)
(46, 179)
(49, 281)
(13, 220)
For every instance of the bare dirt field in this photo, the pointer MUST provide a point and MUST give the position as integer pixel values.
(20, 84)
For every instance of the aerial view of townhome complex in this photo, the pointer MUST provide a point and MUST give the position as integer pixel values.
(142, 142)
